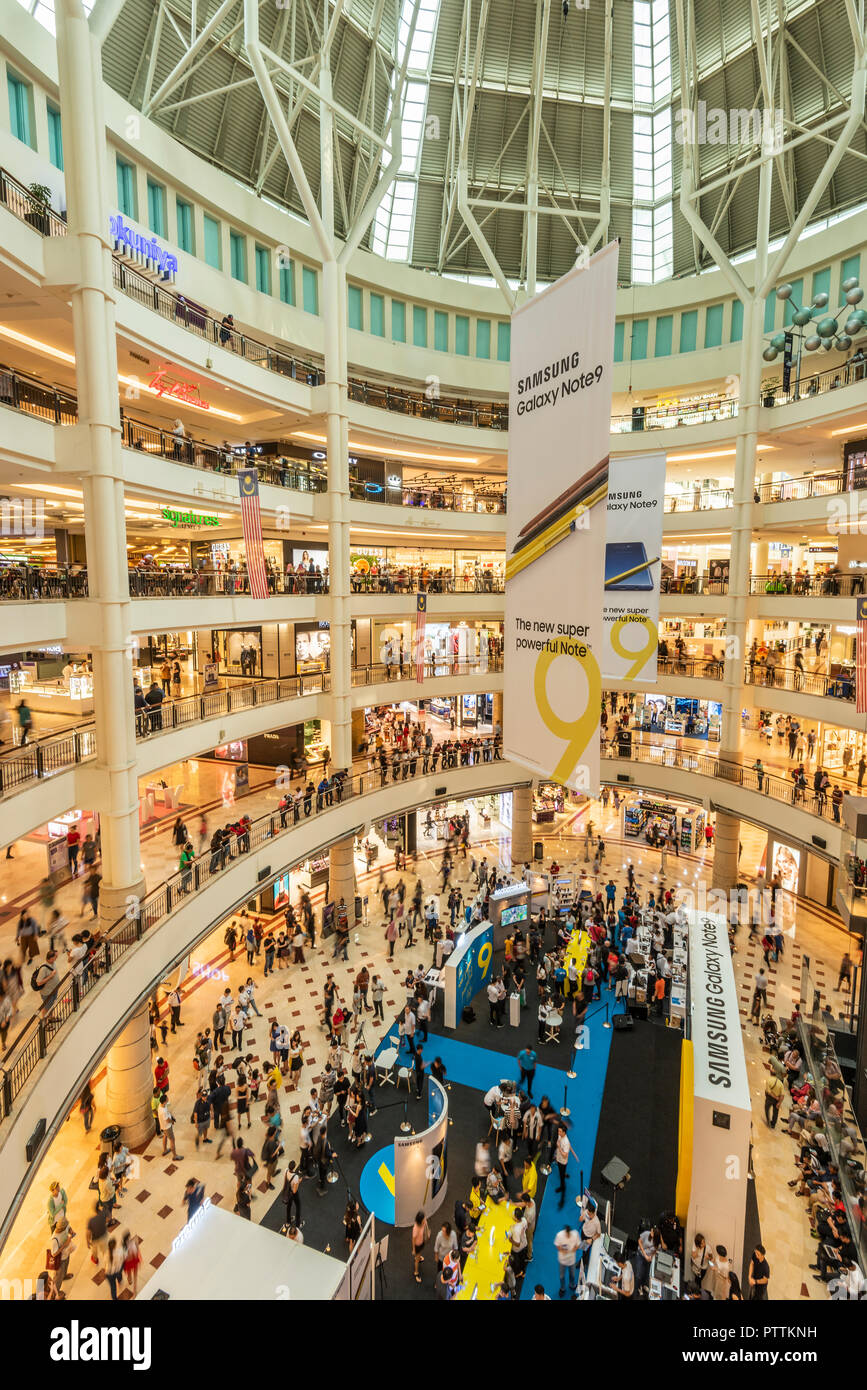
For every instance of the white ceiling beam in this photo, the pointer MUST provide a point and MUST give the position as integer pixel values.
(194, 49)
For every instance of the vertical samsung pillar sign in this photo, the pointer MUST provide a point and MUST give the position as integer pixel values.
(559, 423)
(722, 1113)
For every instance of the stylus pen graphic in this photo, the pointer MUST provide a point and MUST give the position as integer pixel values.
(626, 573)
(556, 532)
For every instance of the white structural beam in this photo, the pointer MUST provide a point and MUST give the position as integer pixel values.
(463, 159)
(531, 220)
(191, 54)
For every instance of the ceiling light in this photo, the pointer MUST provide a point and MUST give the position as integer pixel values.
(849, 428)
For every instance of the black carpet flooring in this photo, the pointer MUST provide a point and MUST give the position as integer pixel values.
(639, 1123)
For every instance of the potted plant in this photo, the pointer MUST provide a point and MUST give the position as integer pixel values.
(769, 390)
(39, 199)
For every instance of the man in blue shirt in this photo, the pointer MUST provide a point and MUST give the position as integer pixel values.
(610, 890)
(527, 1063)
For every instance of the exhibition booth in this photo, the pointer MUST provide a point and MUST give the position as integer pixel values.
(654, 820)
(670, 714)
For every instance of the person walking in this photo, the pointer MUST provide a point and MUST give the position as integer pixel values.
(527, 1064)
(419, 1238)
(774, 1092)
(562, 1150)
(566, 1243)
(167, 1128)
(759, 1275)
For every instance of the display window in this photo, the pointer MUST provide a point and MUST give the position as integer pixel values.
(312, 647)
(549, 800)
(237, 651)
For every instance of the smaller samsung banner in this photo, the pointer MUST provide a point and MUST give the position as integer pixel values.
(633, 549)
(466, 970)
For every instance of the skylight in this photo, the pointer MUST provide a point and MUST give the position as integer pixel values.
(43, 10)
(392, 227)
(652, 224)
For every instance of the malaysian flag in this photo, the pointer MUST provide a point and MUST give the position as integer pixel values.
(251, 520)
(420, 627)
(861, 659)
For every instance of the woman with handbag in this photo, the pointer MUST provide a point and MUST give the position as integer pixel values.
(296, 1060)
(59, 1252)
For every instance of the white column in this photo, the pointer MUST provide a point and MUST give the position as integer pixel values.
(129, 1081)
(341, 874)
(522, 826)
(94, 336)
(337, 433)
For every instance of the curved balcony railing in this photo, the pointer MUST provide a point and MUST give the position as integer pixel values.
(469, 495)
(840, 687)
(700, 500)
(51, 754)
(737, 774)
(807, 585)
(803, 488)
(195, 318)
(52, 582)
(411, 581)
(674, 416)
(40, 1034)
(491, 415)
(693, 667)
(693, 584)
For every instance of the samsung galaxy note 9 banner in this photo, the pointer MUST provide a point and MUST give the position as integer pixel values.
(559, 424)
(633, 549)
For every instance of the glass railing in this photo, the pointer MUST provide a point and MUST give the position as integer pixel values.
(40, 1035)
(467, 495)
(840, 687)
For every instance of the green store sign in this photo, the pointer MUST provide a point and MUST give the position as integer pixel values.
(188, 518)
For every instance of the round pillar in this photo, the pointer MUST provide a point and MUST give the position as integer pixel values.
(341, 874)
(522, 826)
(725, 854)
(129, 1083)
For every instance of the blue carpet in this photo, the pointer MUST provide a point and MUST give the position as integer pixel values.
(481, 1067)
(374, 1191)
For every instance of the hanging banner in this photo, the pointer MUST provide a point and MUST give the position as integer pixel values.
(633, 549)
(559, 425)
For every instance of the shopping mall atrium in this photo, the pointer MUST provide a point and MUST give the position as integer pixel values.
(306, 310)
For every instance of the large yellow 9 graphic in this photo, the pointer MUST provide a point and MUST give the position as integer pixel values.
(578, 732)
(640, 658)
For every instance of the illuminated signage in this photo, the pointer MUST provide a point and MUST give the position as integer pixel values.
(188, 520)
(164, 385)
(144, 250)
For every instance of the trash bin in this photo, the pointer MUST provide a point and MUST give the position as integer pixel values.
(107, 1137)
(537, 851)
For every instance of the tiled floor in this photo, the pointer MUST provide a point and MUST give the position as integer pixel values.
(153, 1206)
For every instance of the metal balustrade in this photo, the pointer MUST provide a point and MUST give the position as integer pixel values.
(738, 774)
(807, 585)
(195, 318)
(55, 753)
(39, 1034)
(801, 682)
